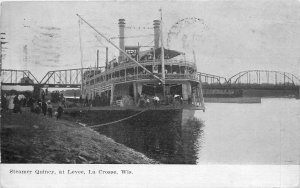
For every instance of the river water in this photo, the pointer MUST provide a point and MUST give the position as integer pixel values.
(265, 133)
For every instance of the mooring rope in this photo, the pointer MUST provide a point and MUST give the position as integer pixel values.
(95, 126)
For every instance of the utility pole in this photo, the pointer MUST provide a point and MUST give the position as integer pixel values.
(163, 77)
(1, 42)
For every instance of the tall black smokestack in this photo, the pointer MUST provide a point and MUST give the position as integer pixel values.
(156, 26)
(121, 38)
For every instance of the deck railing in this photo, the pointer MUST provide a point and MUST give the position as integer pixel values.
(128, 65)
(139, 77)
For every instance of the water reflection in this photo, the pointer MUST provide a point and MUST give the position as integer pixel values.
(169, 137)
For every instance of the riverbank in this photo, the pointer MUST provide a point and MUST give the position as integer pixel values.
(32, 138)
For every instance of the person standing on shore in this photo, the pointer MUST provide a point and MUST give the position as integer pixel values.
(4, 103)
(44, 108)
(59, 112)
(17, 106)
(49, 108)
(80, 100)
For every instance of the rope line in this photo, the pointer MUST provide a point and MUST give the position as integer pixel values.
(109, 123)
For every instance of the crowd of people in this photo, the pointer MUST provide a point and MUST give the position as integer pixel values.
(15, 103)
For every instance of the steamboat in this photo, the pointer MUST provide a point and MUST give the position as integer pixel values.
(157, 77)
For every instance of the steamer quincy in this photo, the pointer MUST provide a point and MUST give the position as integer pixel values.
(155, 77)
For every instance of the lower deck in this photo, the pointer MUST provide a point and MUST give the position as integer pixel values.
(146, 94)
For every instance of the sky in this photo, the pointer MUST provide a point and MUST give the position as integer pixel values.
(227, 36)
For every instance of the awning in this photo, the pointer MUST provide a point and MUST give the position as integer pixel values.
(168, 53)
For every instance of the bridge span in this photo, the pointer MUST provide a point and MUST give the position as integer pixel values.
(244, 80)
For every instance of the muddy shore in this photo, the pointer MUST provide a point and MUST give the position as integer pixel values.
(33, 138)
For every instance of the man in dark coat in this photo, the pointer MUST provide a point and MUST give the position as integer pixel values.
(17, 107)
(4, 103)
(30, 104)
(44, 108)
(59, 112)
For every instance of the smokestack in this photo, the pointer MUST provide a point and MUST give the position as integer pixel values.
(121, 38)
(156, 25)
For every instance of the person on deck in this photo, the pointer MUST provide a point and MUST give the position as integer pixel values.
(156, 101)
(178, 100)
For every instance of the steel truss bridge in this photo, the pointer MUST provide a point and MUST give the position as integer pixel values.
(71, 78)
(256, 79)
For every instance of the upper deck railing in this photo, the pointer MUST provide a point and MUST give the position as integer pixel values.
(126, 65)
(124, 72)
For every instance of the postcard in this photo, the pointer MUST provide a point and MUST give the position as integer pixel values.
(150, 93)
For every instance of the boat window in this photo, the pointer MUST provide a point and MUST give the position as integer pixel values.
(182, 69)
(115, 64)
(98, 71)
(135, 70)
(191, 70)
(130, 71)
(168, 69)
(140, 70)
(122, 73)
(159, 68)
(175, 69)
(155, 69)
(149, 57)
(149, 68)
(91, 73)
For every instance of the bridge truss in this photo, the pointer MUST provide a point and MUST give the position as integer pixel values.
(18, 77)
(264, 78)
(209, 79)
(71, 78)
